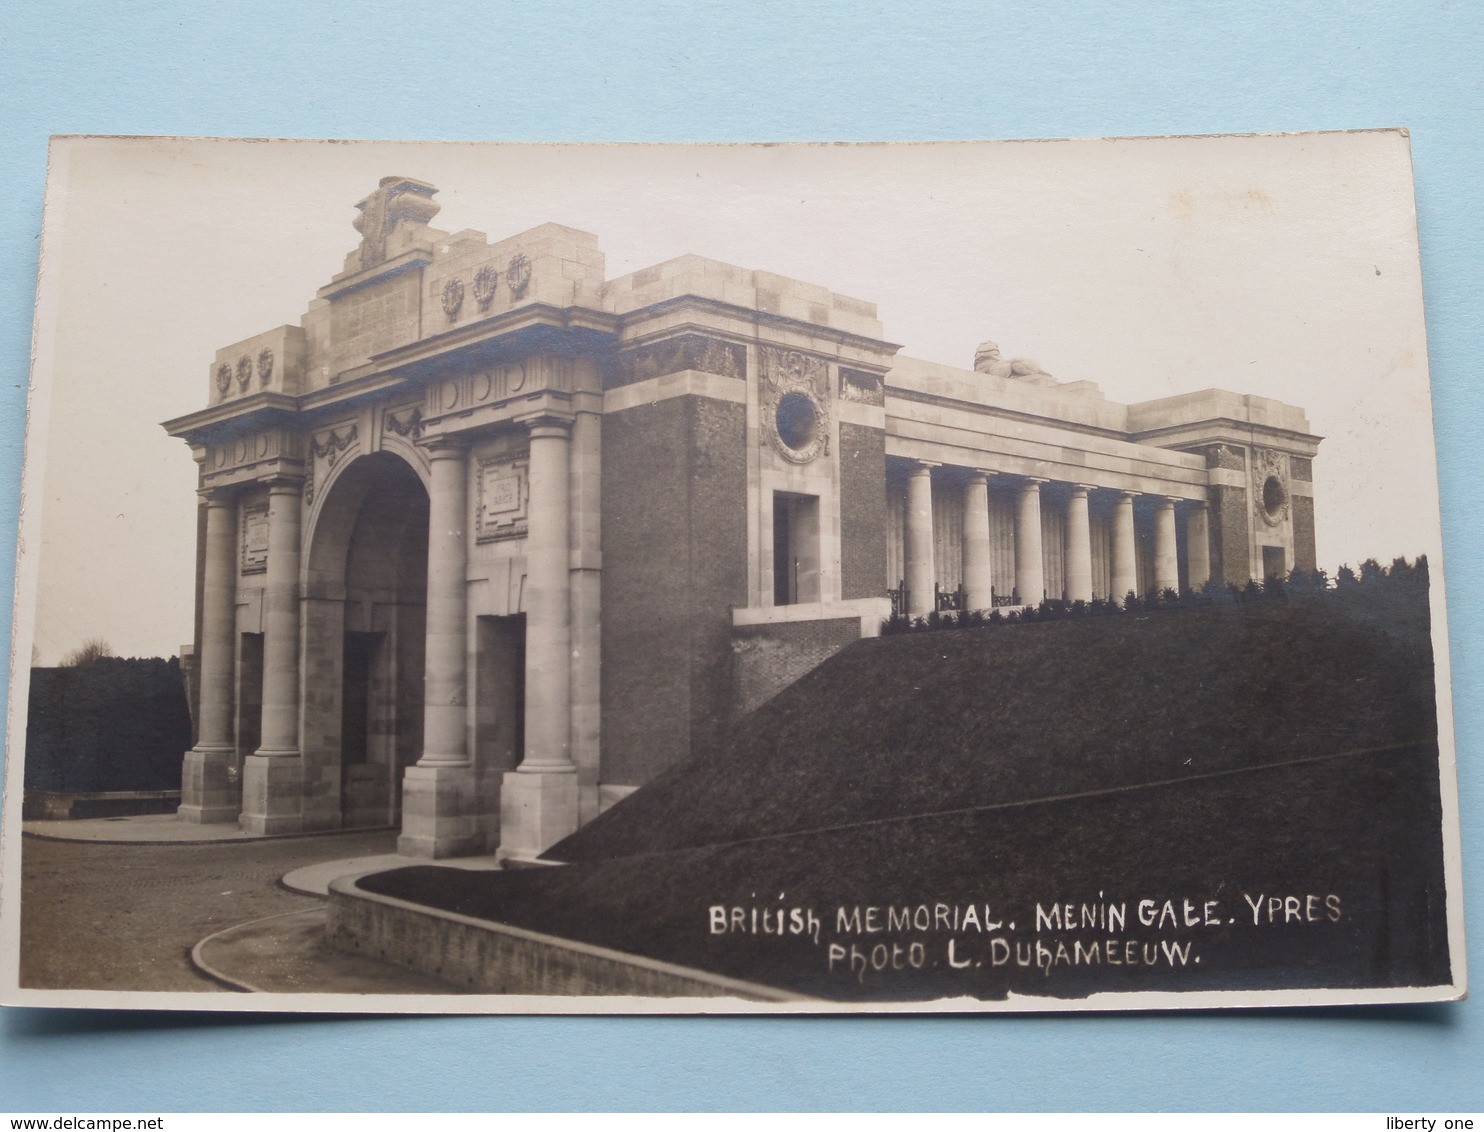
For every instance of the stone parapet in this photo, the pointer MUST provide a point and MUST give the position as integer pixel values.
(488, 958)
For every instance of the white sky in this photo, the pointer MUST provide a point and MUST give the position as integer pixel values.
(1285, 266)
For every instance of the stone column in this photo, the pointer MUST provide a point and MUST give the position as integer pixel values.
(538, 802)
(273, 775)
(207, 790)
(1166, 554)
(1125, 566)
(921, 573)
(1079, 546)
(978, 577)
(1030, 571)
(438, 802)
(1198, 545)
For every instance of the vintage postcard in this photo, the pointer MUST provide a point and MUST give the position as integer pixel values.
(657, 578)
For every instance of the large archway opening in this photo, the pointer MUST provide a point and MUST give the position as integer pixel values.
(365, 624)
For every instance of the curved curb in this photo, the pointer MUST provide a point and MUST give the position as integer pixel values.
(237, 839)
(199, 962)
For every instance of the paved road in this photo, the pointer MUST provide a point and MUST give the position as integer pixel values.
(124, 917)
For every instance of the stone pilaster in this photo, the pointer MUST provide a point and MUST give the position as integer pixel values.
(539, 799)
(1198, 545)
(273, 775)
(921, 573)
(1166, 552)
(438, 793)
(207, 790)
(1030, 571)
(587, 576)
(1125, 566)
(978, 576)
(1305, 555)
(1079, 546)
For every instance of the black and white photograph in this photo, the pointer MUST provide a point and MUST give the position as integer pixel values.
(976, 576)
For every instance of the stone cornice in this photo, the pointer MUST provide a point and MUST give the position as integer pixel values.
(1228, 430)
(999, 412)
(410, 260)
(528, 317)
(258, 411)
(754, 316)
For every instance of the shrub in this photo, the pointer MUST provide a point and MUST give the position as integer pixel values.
(1374, 579)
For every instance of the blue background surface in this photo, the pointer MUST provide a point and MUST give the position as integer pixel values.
(703, 71)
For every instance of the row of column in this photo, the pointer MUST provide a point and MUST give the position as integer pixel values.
(539, 800)
(1030, 577)
(273, 775)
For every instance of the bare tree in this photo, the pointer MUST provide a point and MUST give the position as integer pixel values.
(87, 653)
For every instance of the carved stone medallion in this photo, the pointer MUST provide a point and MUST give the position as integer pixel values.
(265, 365)
(244, 371)
(223, 378)
(453, 298)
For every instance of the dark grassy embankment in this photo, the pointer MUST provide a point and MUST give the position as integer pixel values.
(917, 724)
(1263, 775)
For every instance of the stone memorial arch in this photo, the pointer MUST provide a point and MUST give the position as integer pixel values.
(488, 539)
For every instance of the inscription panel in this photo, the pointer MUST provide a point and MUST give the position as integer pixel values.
(502, 497)
(254, 540)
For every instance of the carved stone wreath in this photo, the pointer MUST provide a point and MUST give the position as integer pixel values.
(411, 428)
(798, 425)
(518, 276)
(485, 281)
(223, 378)
(1270, 486)
(796, 420)
(453, 298)
(328, 450)
(265, 365)
(244, 371)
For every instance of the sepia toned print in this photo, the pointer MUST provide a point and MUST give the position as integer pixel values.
(572, 625)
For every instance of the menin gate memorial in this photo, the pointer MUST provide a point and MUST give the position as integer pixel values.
(489, 540)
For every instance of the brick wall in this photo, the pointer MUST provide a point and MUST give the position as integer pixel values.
(1304, 554)
(768, 658)
(1229, 535)
(674, 563)
(862, 510)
